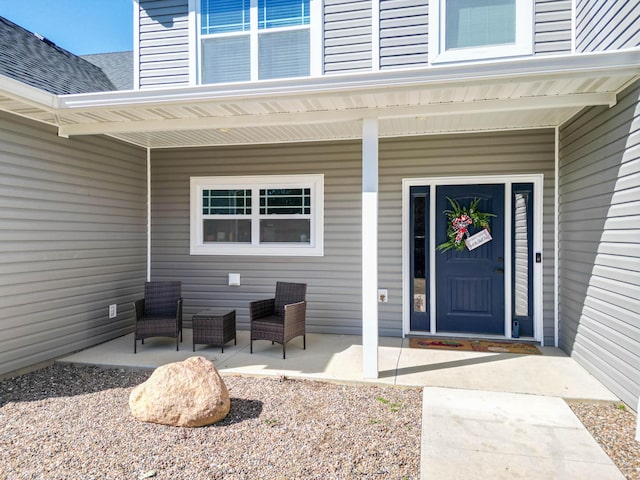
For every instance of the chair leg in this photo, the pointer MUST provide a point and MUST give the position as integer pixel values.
(284, 349)
(251, 346)
(177, 343)
(135, 343)
(304, 341)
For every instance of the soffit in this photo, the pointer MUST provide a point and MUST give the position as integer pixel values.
(533, 93)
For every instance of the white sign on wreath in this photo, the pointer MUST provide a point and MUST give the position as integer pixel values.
(480, 238)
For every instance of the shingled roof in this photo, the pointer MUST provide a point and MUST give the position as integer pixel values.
(40, 63)
(118, 66)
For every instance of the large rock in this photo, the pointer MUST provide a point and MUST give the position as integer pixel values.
(183, 394)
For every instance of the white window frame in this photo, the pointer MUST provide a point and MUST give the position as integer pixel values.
(437, 33)
(315, 38)
(315, 247)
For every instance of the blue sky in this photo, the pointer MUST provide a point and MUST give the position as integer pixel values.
(80, 26)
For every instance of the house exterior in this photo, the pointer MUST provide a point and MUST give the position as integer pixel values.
(318, 141)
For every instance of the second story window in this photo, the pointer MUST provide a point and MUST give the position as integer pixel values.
(462, 30)
(245, 40)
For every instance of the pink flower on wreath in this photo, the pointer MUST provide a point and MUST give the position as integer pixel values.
(460, 225)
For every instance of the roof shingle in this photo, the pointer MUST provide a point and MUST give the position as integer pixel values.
(40, 63)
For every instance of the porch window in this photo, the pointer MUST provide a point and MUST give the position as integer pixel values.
(279, 215)
(479, 29)
(245, 40)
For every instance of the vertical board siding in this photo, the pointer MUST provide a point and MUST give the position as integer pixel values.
(522, 152)
(73, 241)
(552, 27)
(164, 43)
(347, 36)
(599, 254)
(607, 25)
(334, 280)
(404, 33)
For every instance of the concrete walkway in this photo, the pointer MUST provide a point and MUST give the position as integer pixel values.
(486, 415)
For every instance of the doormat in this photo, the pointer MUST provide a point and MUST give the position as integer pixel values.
(475, 346)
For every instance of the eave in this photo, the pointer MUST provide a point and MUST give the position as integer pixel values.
(533, 92)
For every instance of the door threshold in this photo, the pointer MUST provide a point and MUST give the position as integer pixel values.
(472, 336)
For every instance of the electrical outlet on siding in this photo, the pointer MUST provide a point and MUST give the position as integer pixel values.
(113, 310)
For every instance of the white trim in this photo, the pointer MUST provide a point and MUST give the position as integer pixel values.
(508, 181)
(136, 45)
(375, 35)
(574, 21)
(523, 44)
(253, 41)
(316, 38)
(148, 214)
(194, 43)
(370, 248)
(314, 248)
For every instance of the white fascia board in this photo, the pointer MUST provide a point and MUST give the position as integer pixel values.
(26, 93)
(607, 63)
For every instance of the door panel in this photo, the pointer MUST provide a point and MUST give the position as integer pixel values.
(470, 284)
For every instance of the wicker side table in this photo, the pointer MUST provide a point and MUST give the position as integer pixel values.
(214, 327)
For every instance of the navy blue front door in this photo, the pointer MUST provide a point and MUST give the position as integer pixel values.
(470, 284)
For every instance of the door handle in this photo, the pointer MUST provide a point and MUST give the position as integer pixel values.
(500, 270)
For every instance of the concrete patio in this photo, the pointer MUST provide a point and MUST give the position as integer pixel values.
(486, 415)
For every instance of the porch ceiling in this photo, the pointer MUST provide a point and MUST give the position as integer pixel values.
(529, 93)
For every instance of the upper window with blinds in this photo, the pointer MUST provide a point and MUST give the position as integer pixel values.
(479, 29)
(248, 40)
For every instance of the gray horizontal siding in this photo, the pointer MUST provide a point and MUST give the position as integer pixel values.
(520, 152)
(164, 43)
(599, 252)
(607, 25)
(72, 238)
(552, 27)
(347, 36)
(334, 280)
(404, 33)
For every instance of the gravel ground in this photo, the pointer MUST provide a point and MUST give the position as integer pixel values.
(614, 428)
(71, 422)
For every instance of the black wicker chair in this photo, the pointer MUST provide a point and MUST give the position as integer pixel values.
(281, 318)
(159, 313)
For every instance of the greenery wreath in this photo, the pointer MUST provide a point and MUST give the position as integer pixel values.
(460, 219)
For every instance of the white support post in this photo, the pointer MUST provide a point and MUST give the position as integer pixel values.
(370, 247)
(148, 214)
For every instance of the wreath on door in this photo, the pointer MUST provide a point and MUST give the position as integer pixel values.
(459, 220)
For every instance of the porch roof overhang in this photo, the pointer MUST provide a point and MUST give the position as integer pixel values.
(535, 92)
